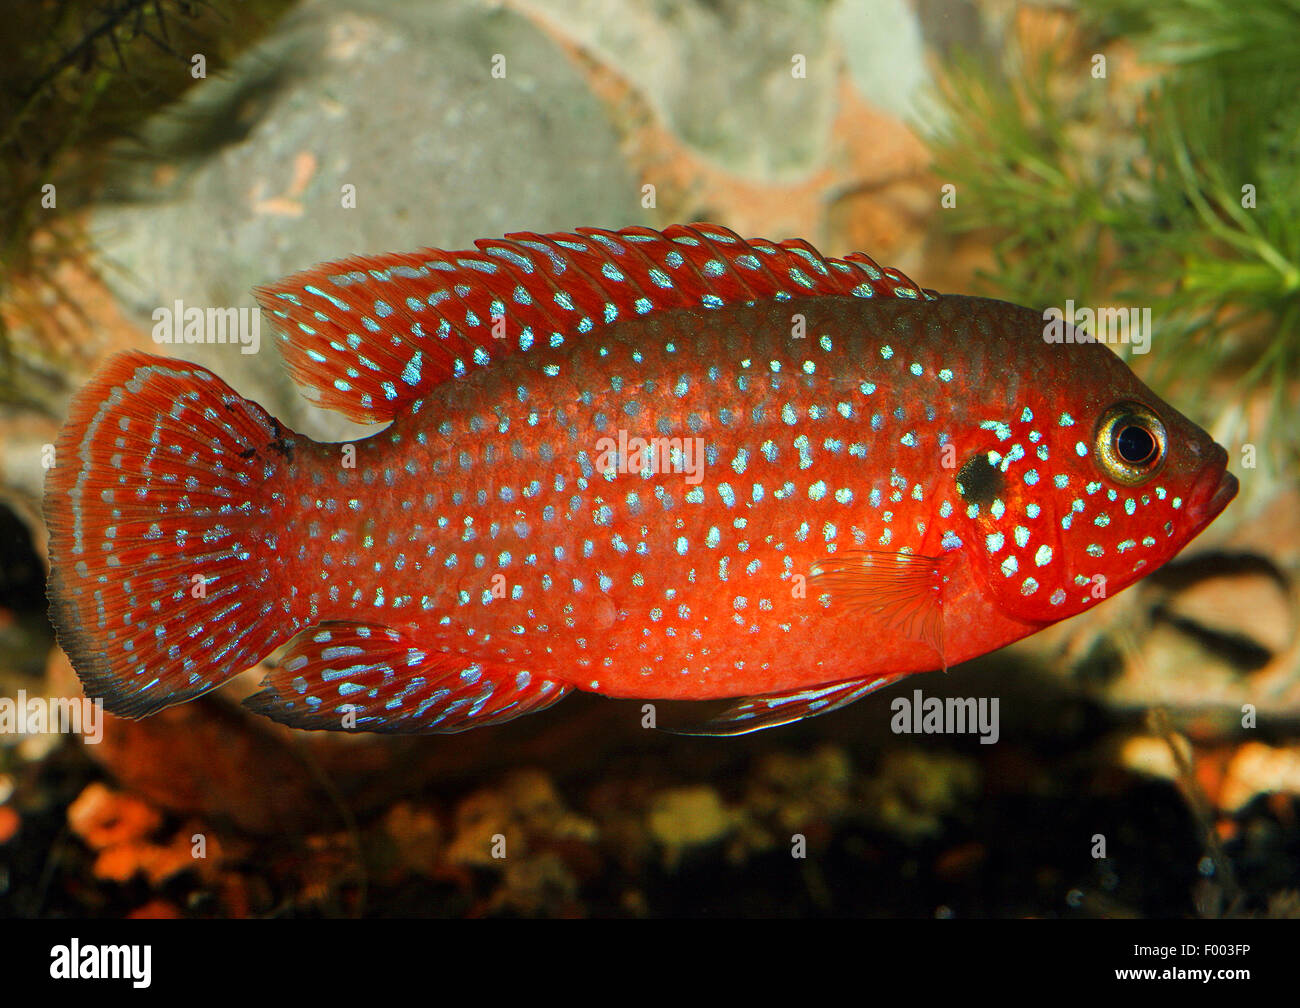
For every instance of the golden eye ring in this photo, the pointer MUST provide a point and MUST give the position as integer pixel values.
(1131, 443)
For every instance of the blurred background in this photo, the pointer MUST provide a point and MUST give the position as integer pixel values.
(1128, 152)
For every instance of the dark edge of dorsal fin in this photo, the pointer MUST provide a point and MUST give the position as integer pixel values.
(367, 335)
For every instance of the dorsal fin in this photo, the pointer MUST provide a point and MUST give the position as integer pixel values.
(369, 334)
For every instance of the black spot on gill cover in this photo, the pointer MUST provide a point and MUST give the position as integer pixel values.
(979, 481)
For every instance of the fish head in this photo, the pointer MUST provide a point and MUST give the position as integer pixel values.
(1080, 480)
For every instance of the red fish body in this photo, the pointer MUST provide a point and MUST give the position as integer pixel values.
(662, 466)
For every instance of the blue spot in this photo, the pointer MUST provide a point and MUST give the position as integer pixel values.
(411, 373)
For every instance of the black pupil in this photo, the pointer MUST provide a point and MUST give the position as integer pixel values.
(1135, 445)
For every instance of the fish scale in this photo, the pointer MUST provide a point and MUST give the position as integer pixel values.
(857, 479)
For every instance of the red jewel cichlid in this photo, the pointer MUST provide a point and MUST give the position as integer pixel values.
(672, 465)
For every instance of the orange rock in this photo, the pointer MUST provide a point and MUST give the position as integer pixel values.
(1211, 766)
(162, 863)
(10, 820)
(156, 910)
(104, 818)
(1256, 769)
(118, 863)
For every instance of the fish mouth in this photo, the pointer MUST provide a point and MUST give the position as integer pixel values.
(1212, 492)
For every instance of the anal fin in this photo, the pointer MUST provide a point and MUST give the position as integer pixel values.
(348, 676)
(755, 713)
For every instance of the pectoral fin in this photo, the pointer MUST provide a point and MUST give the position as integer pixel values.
(903, 590)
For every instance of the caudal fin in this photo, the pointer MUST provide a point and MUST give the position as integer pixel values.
(162, 546)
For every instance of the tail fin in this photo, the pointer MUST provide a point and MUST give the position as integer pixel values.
(162, 545)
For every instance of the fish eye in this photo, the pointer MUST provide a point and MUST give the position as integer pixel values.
(1130, 443)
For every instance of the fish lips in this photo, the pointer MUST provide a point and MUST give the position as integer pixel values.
(1213, 491)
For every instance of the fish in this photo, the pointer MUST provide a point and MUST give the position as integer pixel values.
(676, 466)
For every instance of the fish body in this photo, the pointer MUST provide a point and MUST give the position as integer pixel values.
(677, 466)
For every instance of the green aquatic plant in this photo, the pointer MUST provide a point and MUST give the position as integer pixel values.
(1175, 185)
(77, 77)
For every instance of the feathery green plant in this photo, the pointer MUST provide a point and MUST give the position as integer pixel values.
(1141, 192)
(77, 77)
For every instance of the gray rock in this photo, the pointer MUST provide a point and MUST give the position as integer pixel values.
(395, 99)
(884, 52)
(718, 72)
